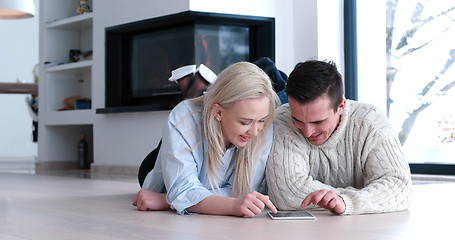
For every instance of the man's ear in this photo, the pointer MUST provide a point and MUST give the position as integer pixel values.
(341, 106)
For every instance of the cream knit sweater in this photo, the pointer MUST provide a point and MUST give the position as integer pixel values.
(362, 161)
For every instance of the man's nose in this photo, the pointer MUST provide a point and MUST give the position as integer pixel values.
(307, 130)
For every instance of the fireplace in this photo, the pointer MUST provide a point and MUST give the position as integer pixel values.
(141, 55)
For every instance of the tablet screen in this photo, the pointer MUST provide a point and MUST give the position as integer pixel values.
(291, 215)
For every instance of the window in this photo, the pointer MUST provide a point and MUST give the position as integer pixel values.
(419, 78)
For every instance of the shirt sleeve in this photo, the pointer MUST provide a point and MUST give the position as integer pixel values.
(387, 181)
(181, 156)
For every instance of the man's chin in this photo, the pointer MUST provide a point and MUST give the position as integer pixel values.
(316, 141)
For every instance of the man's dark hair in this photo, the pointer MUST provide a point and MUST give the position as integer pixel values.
(311, 79)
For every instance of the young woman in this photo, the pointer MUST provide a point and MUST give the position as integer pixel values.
(214, 149)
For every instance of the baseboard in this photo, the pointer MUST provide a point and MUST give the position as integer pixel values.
(113, 170)
(44, 167)
(25, 164)
(18, 159)
(96, 170)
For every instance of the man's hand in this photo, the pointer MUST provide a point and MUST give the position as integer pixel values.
(253, 204)
(148, 200)
(325, 199)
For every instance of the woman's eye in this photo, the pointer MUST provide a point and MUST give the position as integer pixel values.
(244, 123)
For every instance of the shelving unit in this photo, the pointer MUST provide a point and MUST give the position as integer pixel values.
(62, 30)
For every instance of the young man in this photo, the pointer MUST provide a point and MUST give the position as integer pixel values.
(339, 154)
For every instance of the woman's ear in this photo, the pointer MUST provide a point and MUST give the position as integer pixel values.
(216, 111)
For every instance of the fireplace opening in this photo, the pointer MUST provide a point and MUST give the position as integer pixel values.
(141, 55)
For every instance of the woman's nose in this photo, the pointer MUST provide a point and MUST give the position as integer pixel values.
(254, 129)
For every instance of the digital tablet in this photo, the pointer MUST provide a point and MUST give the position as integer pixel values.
(291, 215)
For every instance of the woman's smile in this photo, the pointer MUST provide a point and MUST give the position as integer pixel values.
(244, 139)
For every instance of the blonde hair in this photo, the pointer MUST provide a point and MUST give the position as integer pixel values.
(240, 81)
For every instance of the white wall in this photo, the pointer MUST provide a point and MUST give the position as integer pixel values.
(124, 138)
(330, 32)
(304, 32)
(19, 54)
(371, 50)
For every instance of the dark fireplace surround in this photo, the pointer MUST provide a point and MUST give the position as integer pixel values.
(141, 55)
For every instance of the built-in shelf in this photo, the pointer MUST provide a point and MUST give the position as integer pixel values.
(68, 117)
(72, 23)
(69, 67)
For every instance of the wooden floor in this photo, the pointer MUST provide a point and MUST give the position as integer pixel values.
(56, 207)
(72, 205)
(68, 204)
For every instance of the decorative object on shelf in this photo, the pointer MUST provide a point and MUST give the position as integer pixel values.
(16, 9)
(76, 55)
(76, 102)
(68, 102)
(83, 103)
(82, 153)
(83, 7)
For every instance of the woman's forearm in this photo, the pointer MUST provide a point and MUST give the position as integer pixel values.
(216, 205)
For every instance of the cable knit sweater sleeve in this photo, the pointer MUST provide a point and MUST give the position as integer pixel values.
(362, 162)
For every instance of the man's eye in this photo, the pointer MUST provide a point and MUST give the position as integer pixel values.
(244, 123)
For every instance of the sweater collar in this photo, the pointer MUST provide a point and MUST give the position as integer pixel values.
(338, 133)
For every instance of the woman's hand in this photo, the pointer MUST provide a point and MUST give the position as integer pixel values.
(249, 206)
(253, 204)
(148, 200)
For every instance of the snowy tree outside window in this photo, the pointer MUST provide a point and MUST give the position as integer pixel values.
(420, 38)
